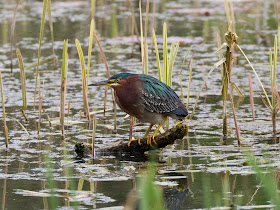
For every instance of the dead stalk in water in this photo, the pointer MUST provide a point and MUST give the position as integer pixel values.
(4, 112)
(52, 34)
(64, 70)
(24, 115)
(39, 49)
(231, 40)
(251, 96)
(234, 115)
(13, 26)
(40, 105)
(22, 79)
(93, 133)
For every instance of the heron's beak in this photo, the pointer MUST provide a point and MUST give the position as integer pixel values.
(103, 83)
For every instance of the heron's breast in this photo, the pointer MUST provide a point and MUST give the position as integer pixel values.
(128, 96)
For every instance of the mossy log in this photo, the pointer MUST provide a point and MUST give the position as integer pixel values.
(162, 140)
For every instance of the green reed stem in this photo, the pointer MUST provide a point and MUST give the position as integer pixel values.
(22, 79)
(64, 70)
(145, 41)
(4, 112)
(13, 26)
(142, 40)
(52, 34)
(40, 44)
(93, 133)
(93, 5)
(40, 63)
(89, 49)
(157, 54)
(83, 73)
(190, 81)
(165, 53)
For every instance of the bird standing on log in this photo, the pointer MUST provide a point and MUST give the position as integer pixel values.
(146, 98)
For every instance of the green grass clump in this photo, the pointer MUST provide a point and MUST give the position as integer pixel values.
(151, 196)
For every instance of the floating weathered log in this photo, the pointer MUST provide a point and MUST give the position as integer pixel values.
(162, 140)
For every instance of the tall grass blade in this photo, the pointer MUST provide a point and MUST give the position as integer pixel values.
(40, 44)
(89, 49)
(102, 54)
(165, 53)
(4, 112)
(22, 79)
(268, 101)
(40, 104)
(93, 134)
(142, 39)
(227, 9)
(93, 5)
(40, 63)
(172, 56)
(183, 63)
(64, 70)
(12, 36)
(277, 97)
(203, 84)
(145, 41)
(83, 74)
(108, 75)
(52, 34)
(276, 11)
(157, 55)
(189, 87)
(232, 16)
(234, 115)
(251, 96)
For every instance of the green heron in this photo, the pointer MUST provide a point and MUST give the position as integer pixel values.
(146, 98)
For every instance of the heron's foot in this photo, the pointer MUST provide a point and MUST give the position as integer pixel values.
(149, 140)
(139, 141)
(131, 140)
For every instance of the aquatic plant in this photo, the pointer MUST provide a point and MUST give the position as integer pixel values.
(52, 33)
(270, 104)
(165, 73)
(40, 44)
(13, 26)
(84, 73)
(267, 179)
(4, 112)
(251, 96)
(151, 196)
(64, 70)
(22, 79)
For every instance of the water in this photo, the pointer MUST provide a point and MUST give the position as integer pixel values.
(216, 174)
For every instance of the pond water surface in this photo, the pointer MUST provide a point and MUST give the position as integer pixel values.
(214, 171)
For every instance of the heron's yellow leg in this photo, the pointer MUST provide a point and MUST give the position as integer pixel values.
(148, 131)
(156, 131)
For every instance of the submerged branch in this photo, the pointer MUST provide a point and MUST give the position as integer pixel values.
(162, 140)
